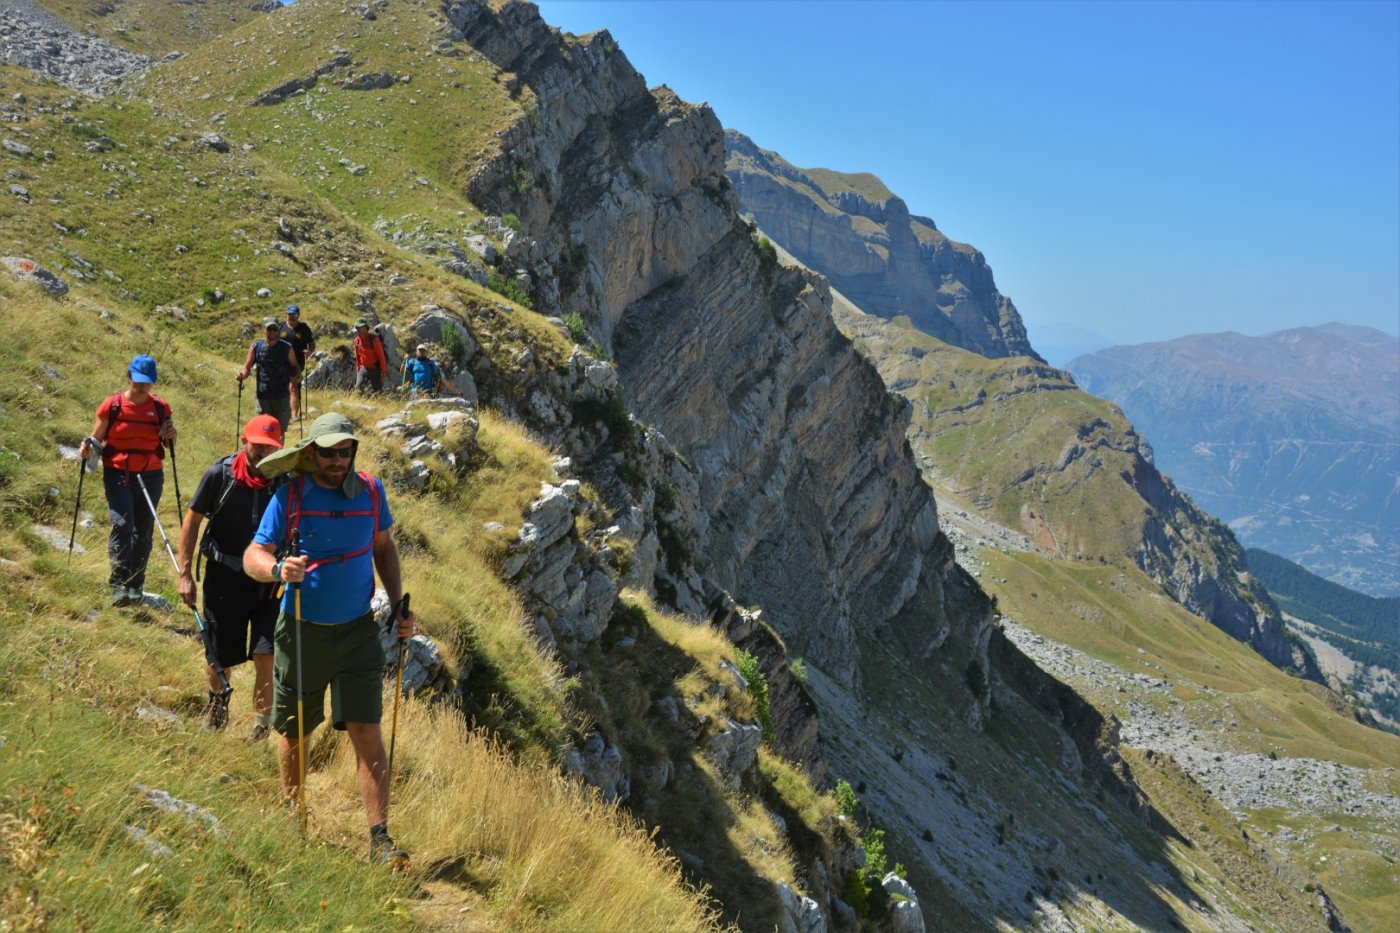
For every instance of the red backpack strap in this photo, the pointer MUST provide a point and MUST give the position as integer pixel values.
(295, 511)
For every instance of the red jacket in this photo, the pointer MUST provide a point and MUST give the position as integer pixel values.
(369, 353)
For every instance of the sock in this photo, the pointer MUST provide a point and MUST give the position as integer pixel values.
(262, 719)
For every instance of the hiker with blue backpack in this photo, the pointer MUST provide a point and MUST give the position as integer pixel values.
(240, 613)
(132, 430)
(422, 374)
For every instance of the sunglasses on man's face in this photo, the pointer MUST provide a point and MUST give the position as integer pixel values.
(335, 453)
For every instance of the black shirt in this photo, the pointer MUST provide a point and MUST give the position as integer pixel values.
(300, 337)
(231, 529)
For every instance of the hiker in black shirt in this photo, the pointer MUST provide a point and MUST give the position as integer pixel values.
(232, 496)
(277, 369)
(303, 343)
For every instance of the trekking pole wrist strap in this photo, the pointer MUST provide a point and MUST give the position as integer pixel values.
(277, 571)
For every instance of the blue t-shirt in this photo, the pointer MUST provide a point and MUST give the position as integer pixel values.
(336, 591)
(422, 373)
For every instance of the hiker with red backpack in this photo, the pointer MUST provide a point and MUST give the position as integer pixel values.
(240, 613)
(324, 534)
(132, 429)
(371, 364)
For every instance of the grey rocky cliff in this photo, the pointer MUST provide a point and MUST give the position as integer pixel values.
(803, 470)
(886, 261)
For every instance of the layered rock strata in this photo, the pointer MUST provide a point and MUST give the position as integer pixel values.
(813, 506)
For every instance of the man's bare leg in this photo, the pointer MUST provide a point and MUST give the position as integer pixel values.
(372, 769)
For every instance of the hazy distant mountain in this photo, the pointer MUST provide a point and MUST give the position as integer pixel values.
(1061, 342)
(1293, 438)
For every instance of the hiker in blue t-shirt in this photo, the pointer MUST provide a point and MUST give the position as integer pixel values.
(329, 525)
(422, 374)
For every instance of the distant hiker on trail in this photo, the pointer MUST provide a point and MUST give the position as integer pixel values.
(131, 430)
(332, 524)
(371, 365)
(277, 369)
(422, 374)
(303, 343)
(233, 496)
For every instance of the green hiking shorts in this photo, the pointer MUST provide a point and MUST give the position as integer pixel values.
(348, 658)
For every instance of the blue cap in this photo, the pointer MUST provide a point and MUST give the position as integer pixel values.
(293, 309)
(142, 368)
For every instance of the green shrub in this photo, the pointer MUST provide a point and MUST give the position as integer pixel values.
(758, 688)
(767, 253)
(453, 345)
(503, 286)
(876, 862)
(855, 893)
(511, 221)
(574, 322)
(799, 670)
(846, 800)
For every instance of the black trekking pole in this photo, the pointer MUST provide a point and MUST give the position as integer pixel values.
(394, 617)
(179, 508)
(210, 655)
(238, 423)
(77, 507)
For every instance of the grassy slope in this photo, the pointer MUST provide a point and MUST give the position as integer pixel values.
(131, 264)
(1086, 592)
(417, 139)
(153, 27)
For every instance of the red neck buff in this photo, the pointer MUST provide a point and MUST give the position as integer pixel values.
(245, 474)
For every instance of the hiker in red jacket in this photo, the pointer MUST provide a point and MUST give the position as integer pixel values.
(371, 365)
(131, 430)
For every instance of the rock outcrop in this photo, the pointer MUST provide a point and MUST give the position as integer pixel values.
(887, 261)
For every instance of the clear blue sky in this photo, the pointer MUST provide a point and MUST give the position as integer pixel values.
(1143, 170)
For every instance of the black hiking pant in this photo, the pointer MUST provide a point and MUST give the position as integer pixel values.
(133, 524)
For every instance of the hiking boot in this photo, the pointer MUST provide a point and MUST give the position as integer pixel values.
(121, 596)
(258, 733)
(216, 714)
(382, 850)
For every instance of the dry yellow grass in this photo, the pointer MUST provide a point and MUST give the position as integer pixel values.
(546, 854)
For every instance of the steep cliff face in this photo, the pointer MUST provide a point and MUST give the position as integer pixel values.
(811, 502)
(888, 262)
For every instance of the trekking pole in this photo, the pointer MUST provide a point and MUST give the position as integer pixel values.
(238, 422)
(301, 712)
(77, 507)
(179, 509)
(398, 612)
(210, 655)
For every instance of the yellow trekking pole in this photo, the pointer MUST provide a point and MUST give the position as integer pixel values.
(301, 703)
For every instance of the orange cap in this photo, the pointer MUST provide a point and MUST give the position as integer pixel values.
(263, 429)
